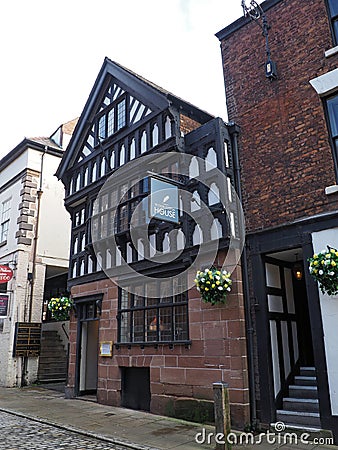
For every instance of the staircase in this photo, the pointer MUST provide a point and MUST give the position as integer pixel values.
(301, 407)
(53, 358)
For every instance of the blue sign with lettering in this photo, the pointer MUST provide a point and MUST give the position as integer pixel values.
(163, 200)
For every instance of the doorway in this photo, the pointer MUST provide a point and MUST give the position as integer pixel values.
(135, 388)
(89, 341)
(289, 327)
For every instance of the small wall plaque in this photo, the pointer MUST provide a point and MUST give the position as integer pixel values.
(106, 348)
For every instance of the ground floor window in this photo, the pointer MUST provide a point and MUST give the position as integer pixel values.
(148, 314)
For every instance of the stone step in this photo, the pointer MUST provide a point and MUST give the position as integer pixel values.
(50, 354)
(53, 358)
(54, 363)
(301, 404)
(303, 391)
(309, 419)
(305, 381)
(307, 371)
(52, 380)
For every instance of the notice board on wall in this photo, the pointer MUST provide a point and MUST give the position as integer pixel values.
(27, 339)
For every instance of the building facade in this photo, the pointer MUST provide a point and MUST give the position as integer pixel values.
(140, 336)
(34, 234)
(281, 90)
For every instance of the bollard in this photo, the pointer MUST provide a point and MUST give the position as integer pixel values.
(222, 415)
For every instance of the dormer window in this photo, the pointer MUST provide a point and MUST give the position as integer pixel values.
(112, 120)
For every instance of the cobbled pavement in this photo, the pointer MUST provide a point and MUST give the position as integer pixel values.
(20, 433)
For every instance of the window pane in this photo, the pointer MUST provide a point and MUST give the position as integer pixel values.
(332, 106)
(153, 319)
(102, 127)
(110, 124)
(4, 231)
(333, 6)
(335, 28)
(121, 114)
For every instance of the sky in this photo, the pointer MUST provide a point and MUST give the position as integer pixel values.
(51, 53)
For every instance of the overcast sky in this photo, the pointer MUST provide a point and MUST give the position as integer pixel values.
(51, 52)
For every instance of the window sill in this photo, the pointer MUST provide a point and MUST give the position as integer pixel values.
(171, 344)
(331, 190)
(3, 243)
(332, 51)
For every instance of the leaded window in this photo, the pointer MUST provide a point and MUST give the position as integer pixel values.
(111, 120)
(148, 314)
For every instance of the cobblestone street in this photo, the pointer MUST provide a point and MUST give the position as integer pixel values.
(19, 433)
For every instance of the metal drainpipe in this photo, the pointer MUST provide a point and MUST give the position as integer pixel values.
(35, 246)
(234, 131)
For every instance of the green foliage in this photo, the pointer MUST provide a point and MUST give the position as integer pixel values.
(324, 269)
(213, 285)
(60, 307)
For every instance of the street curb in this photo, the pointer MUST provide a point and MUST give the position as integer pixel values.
(122, 443)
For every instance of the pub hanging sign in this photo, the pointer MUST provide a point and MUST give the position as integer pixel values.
(163, 203)
(6, 274)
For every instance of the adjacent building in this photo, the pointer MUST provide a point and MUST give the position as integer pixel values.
(282, 91)
(34, 244)
(140, 336)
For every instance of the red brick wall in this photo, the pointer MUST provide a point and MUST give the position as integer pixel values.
(217, 353)
(284, 147)
(187, 124)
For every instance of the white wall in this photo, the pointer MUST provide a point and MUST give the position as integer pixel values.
(13, 169)
(12, 193)
(54, 225)
(329, 309)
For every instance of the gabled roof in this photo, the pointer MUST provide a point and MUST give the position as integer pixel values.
(152, 95)
(36, 143)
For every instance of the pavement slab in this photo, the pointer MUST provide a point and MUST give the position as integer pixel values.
(124, 428)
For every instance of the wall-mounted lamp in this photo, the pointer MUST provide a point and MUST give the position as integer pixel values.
(256, 13)
(297, 270)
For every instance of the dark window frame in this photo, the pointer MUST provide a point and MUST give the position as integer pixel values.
(5, 219)
(103, 122)
(331, 125)
(151, 321)
(333, 17)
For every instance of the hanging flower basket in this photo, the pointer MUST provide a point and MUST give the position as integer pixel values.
(60, 307)
(324, 269)
(214, 285)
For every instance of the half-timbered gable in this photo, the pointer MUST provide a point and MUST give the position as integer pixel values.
(130, 266)
(127, 117)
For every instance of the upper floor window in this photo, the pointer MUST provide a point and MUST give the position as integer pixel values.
(332, 110)
(333, 11)
(112, 121)
(211, 159)
(5, 217)
(167, 128)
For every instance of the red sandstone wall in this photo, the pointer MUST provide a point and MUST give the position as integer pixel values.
(285, 153)
(217, 353)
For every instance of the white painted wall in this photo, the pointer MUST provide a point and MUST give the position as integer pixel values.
(12, 193)
(53, 249)
(329, 309)
(55, 225)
